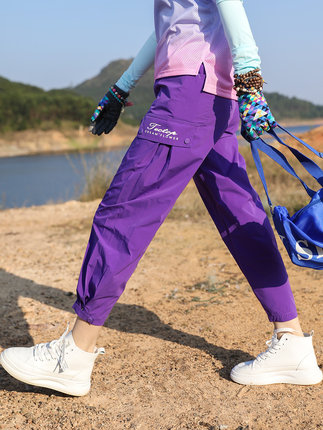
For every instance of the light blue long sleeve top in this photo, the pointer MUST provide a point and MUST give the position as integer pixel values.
(139, 66)
(236, 26)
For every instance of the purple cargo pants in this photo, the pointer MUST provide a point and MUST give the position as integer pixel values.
(186, 133)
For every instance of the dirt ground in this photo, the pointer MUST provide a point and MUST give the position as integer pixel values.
(185, 319)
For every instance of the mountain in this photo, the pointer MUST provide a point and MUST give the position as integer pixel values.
(283, 107)
(26, 106)
(142, 96)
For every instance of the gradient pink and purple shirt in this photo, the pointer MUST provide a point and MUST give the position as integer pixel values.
(190, 32)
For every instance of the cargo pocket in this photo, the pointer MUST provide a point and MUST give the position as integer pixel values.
(167, 131)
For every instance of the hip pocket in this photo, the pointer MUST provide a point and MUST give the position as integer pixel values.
(166, 131)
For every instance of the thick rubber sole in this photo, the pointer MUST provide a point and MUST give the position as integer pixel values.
(295, 377)
(60, 384)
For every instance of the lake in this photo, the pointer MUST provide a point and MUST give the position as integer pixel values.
(40, 179)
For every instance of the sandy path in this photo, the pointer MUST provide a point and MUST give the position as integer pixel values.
(169, 344)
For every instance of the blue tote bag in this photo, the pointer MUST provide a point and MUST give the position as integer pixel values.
(301, 233)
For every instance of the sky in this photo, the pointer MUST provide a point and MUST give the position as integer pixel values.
(56, 43)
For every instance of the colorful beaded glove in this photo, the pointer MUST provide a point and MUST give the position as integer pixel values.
(106, 115)
(255, 115)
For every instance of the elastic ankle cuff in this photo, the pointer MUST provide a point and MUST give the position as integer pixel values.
(82, 312)
(282, 317)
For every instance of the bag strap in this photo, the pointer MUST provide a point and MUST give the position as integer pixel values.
(279, 158)
(312, 168)
(319, 154)
(256, 158)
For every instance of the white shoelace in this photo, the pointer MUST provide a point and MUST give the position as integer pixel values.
(273, 344)
(54, 350)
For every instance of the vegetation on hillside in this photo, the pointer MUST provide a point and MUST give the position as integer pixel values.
(25, 107)
(285, 107)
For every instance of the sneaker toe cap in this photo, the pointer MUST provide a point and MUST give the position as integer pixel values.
(15, 357)
(9, 354)
(242, 367)
(241, 370)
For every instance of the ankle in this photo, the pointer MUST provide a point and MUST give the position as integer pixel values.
(294, 333)
(84, 346)
(85, 335)
(292, 326)
(284, 330)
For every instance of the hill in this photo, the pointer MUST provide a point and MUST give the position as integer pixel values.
(26, 107)
(142, 96)
(283, 107)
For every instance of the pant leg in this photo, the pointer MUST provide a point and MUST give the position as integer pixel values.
(238, 214)
(174, 138)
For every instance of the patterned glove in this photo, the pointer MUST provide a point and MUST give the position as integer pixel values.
(255, 115)
(106, 115)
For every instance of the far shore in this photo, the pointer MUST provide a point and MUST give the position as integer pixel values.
(46, 142)
(295, 122)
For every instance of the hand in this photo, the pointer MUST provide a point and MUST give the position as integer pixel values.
(255, 115)
(106, 115)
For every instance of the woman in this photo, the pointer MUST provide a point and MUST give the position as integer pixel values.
(189, 131)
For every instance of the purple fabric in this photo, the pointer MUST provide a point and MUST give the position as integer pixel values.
(186, 133)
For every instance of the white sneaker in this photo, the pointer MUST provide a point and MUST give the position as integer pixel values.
(59, 365)
(289, 360)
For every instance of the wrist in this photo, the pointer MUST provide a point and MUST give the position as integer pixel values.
(126, 82)
(248, 83)
(118, 94)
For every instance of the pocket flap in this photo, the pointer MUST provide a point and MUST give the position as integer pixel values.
(167, 131)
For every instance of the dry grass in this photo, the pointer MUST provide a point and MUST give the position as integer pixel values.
(97, 179)
(284, 189)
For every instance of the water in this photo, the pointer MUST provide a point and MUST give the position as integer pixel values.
(39, 179)
(298, 129)
(295, 129)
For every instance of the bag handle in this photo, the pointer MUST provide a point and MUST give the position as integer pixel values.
(279, 158)
(319, 154)
(256, 158)
(312, 168)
